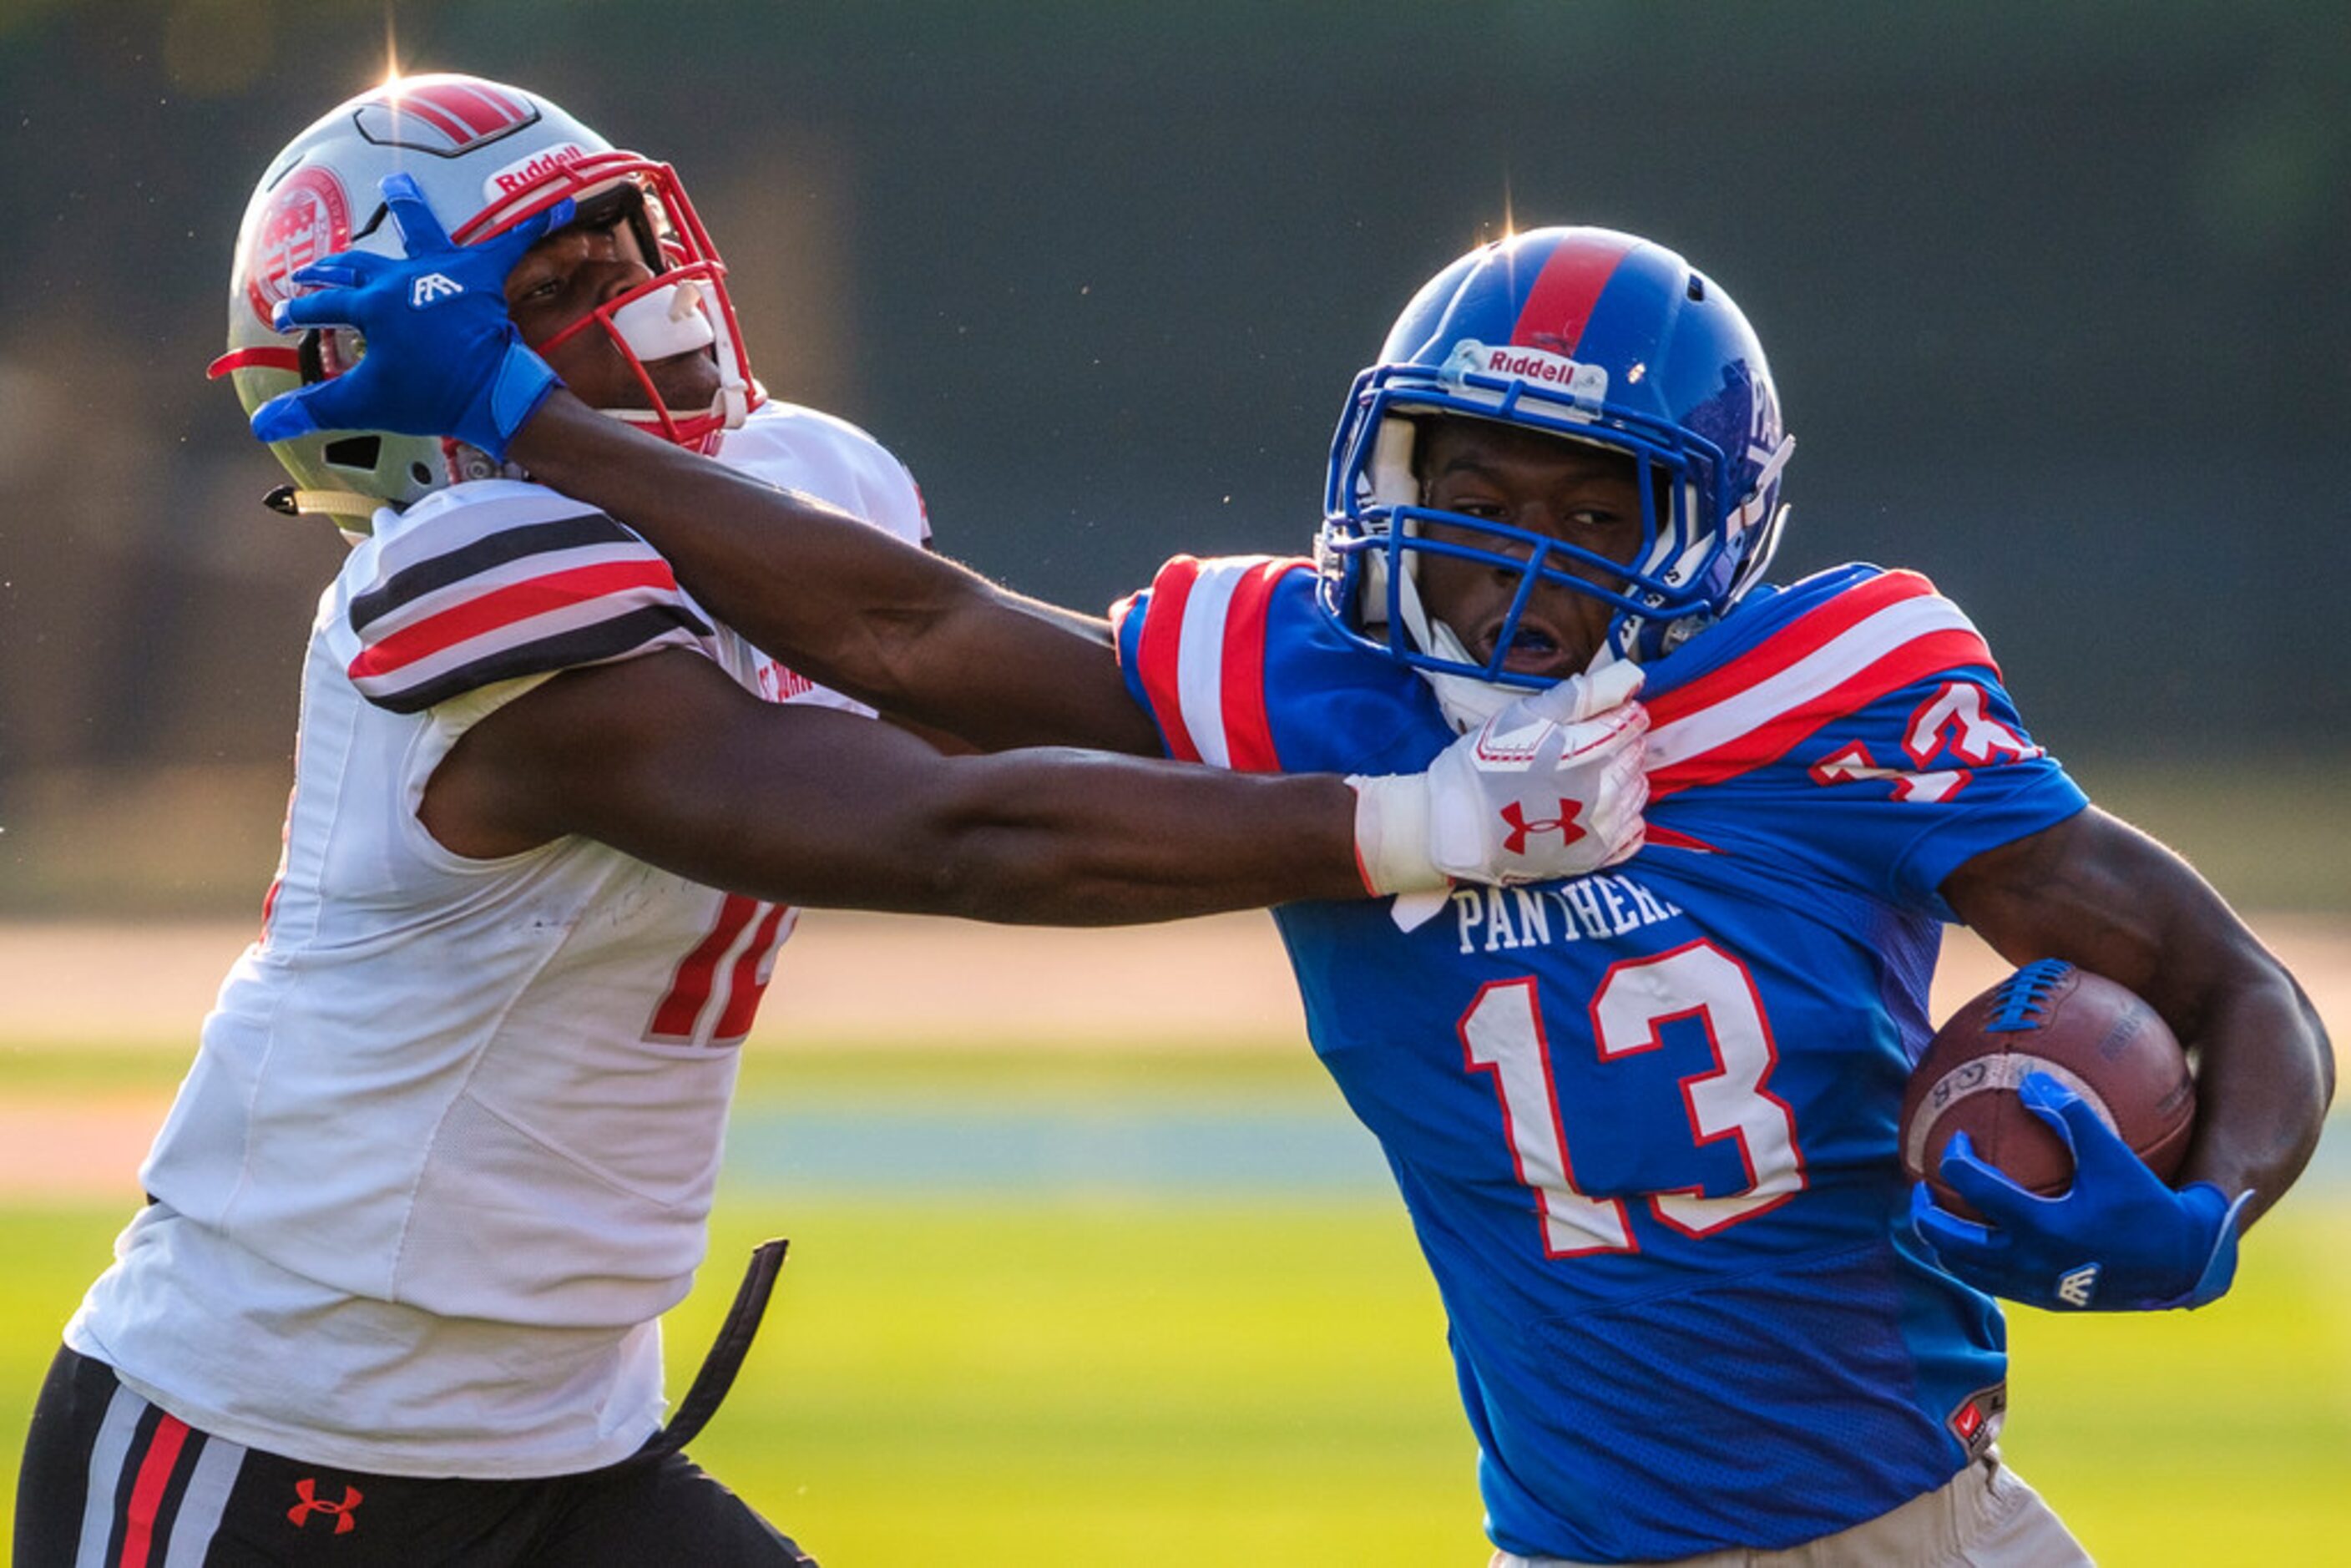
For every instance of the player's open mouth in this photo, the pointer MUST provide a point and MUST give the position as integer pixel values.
(686, 380)
(1535, 648)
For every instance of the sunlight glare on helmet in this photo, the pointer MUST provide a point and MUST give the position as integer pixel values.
(391, 83)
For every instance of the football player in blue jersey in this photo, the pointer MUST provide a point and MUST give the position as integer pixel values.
(1643, 1119)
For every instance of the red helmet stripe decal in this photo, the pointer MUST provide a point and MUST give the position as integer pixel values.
(482, 111)
(422, 104)
(1561, 301)
(446, 116)
(271, 358)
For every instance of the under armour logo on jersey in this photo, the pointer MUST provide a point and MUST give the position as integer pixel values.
(433, 286)
(1515, 814)
(306, 1490)
(2074, 1289)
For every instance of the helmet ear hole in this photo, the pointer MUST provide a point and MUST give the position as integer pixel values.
(361, 452)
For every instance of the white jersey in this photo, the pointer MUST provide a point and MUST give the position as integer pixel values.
(449, 1144)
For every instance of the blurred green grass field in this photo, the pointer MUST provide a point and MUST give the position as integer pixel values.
(1000, 1372)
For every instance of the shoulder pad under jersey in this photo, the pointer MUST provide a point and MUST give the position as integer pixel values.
(498, 579)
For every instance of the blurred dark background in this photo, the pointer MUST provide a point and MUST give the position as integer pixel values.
(2055, 296)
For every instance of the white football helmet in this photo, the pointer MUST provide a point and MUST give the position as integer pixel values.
(486, 156)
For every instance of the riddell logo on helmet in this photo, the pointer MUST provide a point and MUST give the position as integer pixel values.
(1507, 362)
(517, 177)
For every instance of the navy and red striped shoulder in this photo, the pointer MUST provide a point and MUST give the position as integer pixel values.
(465, 593)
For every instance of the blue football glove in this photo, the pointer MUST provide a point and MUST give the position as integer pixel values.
(2117, 1241)
(442, 357)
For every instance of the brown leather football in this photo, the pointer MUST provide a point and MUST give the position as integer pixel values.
(2096, 1037)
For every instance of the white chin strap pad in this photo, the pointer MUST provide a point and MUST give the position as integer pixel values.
(666, 322)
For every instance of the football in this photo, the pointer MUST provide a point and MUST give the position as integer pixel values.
(2097, 1037)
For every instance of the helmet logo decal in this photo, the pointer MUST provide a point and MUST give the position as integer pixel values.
(308, 217)
(526, 172)
(445, 118)
(1585, 383)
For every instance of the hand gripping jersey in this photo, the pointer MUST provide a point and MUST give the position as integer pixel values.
(1643, 1120)
(447, 1148)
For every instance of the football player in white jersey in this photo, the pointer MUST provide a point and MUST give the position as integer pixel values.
(1727, 1331)
(448, 1149)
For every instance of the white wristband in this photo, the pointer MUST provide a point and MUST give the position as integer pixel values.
(1392, 829)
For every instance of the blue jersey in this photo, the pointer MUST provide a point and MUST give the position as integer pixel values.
(1643, 1120)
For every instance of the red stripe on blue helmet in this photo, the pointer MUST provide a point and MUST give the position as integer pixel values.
(1559, 301)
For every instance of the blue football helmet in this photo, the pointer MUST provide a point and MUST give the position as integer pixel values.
(1593, 335)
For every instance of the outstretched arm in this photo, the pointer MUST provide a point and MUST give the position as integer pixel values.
(907, 631)
(667, 759)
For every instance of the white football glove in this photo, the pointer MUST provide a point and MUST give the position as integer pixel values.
(1552, 786)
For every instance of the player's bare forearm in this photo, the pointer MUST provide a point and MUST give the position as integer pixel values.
(666, 759)
(2099, 894)
(907, 631)
(1061, 837)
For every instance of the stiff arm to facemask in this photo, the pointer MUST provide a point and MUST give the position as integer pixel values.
(1552, 786)
(461, 368)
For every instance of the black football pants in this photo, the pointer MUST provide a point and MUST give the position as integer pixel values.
(108, 1479)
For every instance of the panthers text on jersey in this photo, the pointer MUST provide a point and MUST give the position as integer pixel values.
(450, 1140)
(1643, 1120)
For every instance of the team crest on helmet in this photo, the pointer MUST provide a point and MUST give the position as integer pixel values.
(447, 118)
(307, 217)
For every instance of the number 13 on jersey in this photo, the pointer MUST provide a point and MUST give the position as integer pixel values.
(1503, 1033)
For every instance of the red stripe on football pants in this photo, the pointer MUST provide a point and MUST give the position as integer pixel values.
(147, 1491)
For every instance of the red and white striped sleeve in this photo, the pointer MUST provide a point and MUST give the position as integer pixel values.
(1887, 632)
(495, 590)
(1199, 659)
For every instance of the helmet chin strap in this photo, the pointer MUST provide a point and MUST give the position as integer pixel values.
(1466, 701)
